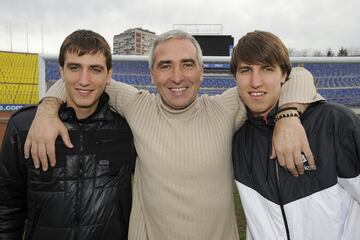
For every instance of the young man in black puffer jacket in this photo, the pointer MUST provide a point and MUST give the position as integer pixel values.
(87, 195)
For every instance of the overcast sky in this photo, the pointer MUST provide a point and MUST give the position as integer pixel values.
(305, 24)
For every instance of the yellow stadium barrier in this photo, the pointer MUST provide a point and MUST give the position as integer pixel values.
(19, 78)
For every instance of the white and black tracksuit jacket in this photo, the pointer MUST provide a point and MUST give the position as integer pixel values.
(322, 203)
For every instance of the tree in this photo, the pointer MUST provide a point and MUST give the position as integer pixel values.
(329, 52)
(317, 53)
(304, 52)
(292, 52)
(342, 52)
(353, 51)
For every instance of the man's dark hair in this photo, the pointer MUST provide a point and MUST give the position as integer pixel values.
(85, 42)
(260, 47)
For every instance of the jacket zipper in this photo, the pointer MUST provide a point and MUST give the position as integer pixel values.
(281, 201)
(78, 192)
(270, 125)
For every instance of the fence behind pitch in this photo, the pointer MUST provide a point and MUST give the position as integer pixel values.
(25, 77)
(337, 79)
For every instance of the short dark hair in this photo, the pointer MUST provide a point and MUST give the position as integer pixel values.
(85, 42)
(260, 47)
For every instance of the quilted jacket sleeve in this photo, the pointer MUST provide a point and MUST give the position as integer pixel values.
(12, 186)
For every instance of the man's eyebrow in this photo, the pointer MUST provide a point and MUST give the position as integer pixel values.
(188, 60)
(97, 66)
(78, 64)
(72, 63)
(161, 62)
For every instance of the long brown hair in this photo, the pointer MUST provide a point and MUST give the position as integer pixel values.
(260, 47)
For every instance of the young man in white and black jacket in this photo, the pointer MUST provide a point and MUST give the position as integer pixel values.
(323, 203)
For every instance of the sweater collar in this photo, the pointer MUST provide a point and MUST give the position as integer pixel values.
(178, 113)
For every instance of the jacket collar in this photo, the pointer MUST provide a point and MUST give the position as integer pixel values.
(268, 121)
(101, 113)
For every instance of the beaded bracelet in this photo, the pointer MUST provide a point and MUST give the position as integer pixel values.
(285, 109)
(291, 114)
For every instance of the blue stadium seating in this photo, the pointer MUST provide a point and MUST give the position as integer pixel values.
(339, 83)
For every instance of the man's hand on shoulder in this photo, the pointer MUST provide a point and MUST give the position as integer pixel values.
(289, 142)
(45, 128)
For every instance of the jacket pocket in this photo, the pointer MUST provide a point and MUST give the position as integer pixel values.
(110, 171)
(113, 161)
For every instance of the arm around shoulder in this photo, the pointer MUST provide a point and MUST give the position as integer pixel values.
(57, 90)
(232, 104)
(120, 95)
(289, 138)
(300, 88)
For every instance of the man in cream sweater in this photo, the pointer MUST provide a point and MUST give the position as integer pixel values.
(183, 177)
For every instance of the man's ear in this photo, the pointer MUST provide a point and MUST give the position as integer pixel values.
(109, 77)
(202, 72)
(284, 78)
(152, 77)
(61, 70)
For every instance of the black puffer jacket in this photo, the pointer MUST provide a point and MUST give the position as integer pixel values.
(87, 195)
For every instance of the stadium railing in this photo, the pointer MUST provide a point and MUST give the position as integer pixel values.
(334, 76)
